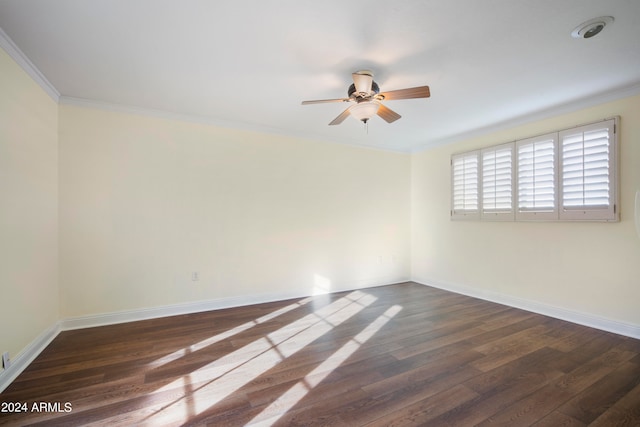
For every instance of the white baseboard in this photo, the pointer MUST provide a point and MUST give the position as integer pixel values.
(579, 318)
(198, 307)
(22, 360)
(27, 356)
(106, 319)
(41, 342)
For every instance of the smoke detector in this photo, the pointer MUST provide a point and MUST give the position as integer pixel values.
(591, 28)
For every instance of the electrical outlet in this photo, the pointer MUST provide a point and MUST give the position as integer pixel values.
(6, 362)
(195, 276)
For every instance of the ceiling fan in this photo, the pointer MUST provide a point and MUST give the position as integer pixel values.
(366, 95)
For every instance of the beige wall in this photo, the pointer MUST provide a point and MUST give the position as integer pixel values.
(146, 201)
(103, 212)
(590, 268)
(28, 209)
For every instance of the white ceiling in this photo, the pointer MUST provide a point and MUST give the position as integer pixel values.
(249, 63)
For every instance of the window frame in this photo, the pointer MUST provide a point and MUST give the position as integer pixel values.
(558, 212)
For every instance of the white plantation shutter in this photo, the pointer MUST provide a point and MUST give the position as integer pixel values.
(587, 184)
(536, 166)
(562, 176)
(585, 169)
(465, 198)
(497, 182)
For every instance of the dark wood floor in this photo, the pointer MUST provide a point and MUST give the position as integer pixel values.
(389, 356)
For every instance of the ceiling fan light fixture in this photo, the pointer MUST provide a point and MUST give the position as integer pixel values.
(363, 111)
(591, 28)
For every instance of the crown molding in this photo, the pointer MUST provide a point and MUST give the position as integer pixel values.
(211, 121)
(565, 108)
(17, 55)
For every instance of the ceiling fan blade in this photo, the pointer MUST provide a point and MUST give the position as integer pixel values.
(362, 81)
(387, 114)
(413, 92)
(324, 101)
(341, 117)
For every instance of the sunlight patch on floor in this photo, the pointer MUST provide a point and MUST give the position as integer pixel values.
(225, 335)
(217, 380)
(289, 399)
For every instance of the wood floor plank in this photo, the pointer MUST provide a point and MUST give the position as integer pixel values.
(535, 365)
(557, 419)
(599, 397)
(510, 348)
(559, 391)
(396, 355)
(421, 412)
(625, 412)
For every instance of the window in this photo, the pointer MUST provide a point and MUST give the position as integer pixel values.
(497, 182)
(536, 178)
(464, 178)
(568, 175)
(587, 171)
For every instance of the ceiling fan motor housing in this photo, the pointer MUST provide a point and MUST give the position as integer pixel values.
(375, 89)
